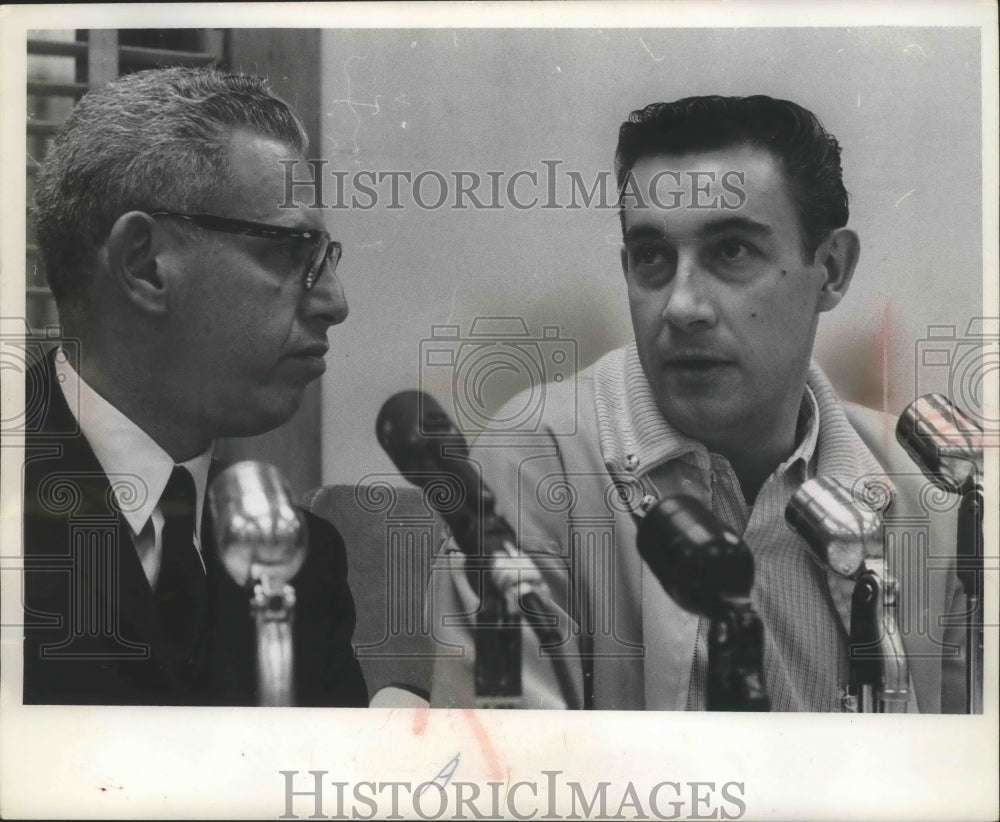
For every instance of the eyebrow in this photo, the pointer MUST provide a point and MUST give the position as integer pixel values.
(723, 224)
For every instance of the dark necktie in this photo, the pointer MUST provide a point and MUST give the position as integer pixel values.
(180, 588)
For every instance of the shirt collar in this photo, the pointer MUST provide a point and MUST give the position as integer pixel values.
(840, 451)
(808, 424)
(634, 436)
(137, 468)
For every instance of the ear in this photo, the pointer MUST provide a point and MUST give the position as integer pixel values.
(133, 250)
(838, 254)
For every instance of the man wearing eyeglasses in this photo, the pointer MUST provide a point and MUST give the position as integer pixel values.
(194, 305)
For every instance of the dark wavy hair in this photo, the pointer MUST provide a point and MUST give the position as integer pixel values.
(794, 136)
(155, 139)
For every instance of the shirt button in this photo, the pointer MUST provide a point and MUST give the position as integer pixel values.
(631, 462)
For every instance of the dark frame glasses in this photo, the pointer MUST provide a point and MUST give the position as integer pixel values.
(324, 251)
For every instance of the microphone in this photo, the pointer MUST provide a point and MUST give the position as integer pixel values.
(429, 451)
(262, 544)
(944, 443)
(706, 568)
(947, 447)
(412, 426)
(699, 561)
(839, 533)
(846, 538)
(259, 533)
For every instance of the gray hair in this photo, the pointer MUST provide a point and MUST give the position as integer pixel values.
(151, 140)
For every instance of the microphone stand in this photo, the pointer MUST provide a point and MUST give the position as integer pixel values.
(273, 612)
(970, 574)
(947, 447)
(880, 679)
(509, 590)
(846, 539)
(735, 659)
(497, 634)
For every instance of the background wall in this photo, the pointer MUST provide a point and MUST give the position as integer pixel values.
(905, 105)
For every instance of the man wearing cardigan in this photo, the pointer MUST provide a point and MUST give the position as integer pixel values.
(735, 240)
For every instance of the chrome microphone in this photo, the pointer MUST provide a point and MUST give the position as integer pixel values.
(846, 538)
(948, 448)
(943, 442)
(262, 544)
(840, 533)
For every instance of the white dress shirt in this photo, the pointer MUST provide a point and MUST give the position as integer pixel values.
(137, 467)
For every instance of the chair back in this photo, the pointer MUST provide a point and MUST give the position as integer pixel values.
(392, 537)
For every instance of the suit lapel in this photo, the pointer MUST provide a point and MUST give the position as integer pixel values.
(67, 459)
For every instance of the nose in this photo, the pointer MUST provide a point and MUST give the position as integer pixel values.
(689, 305)
(326, 299)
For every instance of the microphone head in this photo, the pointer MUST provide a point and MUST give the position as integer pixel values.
(413, 429)
(258, 531)
(840, 532)
(699, 561)
(944, 443)
(429, 451)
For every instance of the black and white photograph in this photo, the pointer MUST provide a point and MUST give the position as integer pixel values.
(386, 385)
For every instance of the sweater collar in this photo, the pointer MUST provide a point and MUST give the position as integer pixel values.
(635, 438)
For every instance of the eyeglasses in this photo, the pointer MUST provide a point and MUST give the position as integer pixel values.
(324, 249)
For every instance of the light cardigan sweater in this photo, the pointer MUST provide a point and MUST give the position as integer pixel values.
(572, 488)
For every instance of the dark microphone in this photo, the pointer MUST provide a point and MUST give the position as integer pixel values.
(706, 568)
(262, 544)
(943, 442)
(429, 451)
(699, 561)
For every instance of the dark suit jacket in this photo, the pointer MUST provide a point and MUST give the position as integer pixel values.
(89, 607)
